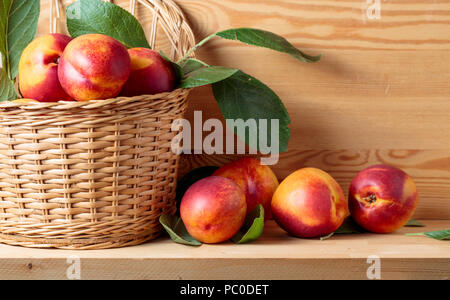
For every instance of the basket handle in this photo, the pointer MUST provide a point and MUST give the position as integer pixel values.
(166, 13)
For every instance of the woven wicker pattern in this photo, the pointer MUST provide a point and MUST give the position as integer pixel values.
(92, 175)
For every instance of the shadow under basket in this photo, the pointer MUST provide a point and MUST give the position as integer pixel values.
(87, 175)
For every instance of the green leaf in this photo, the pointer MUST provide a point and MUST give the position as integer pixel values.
(192, 64)
(177, 231)
(253, 227)
(244, 97)
(7, 90)
(437, 235)
(18, 25)
(350, 227)
(266, 39)
(96, 16)
(414, 223)
(205, 76)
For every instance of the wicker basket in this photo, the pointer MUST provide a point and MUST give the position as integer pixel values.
(97, 174)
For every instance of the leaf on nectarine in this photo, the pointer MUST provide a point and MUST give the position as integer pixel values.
(253, 226)
(95, 16)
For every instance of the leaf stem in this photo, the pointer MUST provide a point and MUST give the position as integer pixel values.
(7, 65)
(195, 48)
(416, 234)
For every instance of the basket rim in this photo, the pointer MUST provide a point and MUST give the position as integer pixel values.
(91, 104)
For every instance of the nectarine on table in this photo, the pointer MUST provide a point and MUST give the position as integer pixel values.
(94, 67)
(382, 198)
(309, 203)
(150, 74)
(256, 180)
(38, 68)
(213, 209)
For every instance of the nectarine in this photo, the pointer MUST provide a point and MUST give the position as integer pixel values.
(94, 67)
(382, 198)
(213, 209)
(38, 69)
(309, 203)
(150, 73)
(256, 180)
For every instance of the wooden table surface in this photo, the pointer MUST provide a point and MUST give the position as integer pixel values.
(274, 256)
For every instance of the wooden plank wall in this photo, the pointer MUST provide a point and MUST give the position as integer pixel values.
(381, 93)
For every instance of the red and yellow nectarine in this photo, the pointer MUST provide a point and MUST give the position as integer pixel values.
(213, 209)
(93, 67)
(256, 180)
(309, 203)
(150, 73)
(38, 69)
(382, 198)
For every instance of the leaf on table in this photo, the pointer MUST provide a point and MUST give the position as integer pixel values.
(177, 231)
(96, 16)
(18, 26)
(244, 97)
(253, 226)
(7, 90)
(266, 39)
(414, 223)
(350, 227)
(205, 76)
(437, 235)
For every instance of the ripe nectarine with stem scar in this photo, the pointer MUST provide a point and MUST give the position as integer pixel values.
(382, 198)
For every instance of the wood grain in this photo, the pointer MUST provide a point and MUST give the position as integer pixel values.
(274, 256)
(382, 85)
